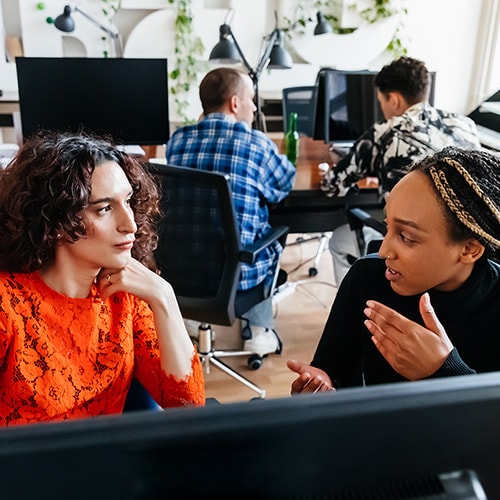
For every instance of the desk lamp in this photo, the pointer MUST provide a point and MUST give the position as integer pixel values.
(66, 23)
(323, 25)
(274, 56)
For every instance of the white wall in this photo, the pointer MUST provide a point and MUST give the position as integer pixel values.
(447, 34)
(448, 41)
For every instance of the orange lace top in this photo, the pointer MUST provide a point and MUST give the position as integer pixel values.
(63, 358)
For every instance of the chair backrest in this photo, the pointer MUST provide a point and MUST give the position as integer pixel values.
(359, 218)
(300, 100)
(199, 242)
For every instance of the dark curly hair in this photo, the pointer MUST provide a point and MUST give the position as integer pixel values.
(467, 184)
(407, 76)
(45, 188)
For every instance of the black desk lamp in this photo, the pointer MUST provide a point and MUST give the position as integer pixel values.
(274, 56)
(66, 23)
(323, 25)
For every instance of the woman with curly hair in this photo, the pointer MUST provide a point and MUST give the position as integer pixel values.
(428, 305)
(82, 310)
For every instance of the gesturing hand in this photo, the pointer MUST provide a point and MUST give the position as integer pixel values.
(413, 351)
(310, 379)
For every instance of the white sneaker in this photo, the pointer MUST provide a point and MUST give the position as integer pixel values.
(264, 341)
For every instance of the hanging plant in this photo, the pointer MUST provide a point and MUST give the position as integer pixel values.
(370, 11)
(381, 9)
(187, 47)
(109, 9)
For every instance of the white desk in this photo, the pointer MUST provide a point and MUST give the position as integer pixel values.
(9, 103)
(9, 111)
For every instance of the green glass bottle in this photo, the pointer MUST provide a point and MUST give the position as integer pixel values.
(292, 139)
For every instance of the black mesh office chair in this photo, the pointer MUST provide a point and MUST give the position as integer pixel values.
(358, 219)
(300, 100)
(200, 254)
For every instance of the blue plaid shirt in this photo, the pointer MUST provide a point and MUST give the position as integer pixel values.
(258, 174)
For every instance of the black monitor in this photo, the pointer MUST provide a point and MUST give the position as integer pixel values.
(347, 105)
(388, 441)
(487, 118)
(126, 99)
(487, 114)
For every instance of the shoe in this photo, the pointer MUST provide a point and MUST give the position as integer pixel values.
(264, 341)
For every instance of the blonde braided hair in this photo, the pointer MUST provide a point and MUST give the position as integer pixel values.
(468, 183)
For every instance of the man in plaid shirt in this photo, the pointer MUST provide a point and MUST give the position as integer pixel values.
(223, 141)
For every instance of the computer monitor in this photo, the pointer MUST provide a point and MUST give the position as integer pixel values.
(487, 114)
(359, 443)
(487, 118)
(347, 105)
(126, 99)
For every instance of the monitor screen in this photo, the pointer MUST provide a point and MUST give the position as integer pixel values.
(359, 443)
(347, 105)
(487, 118)
(487, 114)
(126, 99)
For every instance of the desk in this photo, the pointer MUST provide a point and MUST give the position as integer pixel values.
(306, 209)
(9, 104)
(9, 115)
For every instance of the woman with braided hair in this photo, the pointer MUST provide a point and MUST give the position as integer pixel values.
(427, 305)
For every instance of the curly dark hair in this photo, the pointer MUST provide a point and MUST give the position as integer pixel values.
(467, 184)
(407, 76)
(45, 188)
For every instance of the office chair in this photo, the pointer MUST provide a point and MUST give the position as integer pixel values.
(300, 100)
(199, 253)
(358, 219)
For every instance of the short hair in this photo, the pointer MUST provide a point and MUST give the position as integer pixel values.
(467, 183)
(47, 185)
(407, 76)
(218, 86)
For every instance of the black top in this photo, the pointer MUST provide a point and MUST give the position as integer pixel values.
(469, 316)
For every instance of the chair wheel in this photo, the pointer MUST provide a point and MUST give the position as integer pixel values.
(254, 361)
(313, 271)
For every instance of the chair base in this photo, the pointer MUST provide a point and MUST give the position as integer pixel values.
(323, 239)
(323, 242)
(209, 355)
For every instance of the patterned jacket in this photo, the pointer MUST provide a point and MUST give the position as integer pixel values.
(387, 148)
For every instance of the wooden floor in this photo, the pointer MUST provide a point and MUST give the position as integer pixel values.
(300, 317)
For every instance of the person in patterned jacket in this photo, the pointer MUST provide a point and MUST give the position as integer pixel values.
(412, 129)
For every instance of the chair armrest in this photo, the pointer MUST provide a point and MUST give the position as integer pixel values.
(358, 218)
(249, 253)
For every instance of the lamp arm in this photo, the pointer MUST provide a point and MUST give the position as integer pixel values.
(271, 40)
(111, 33)
(251, 71)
